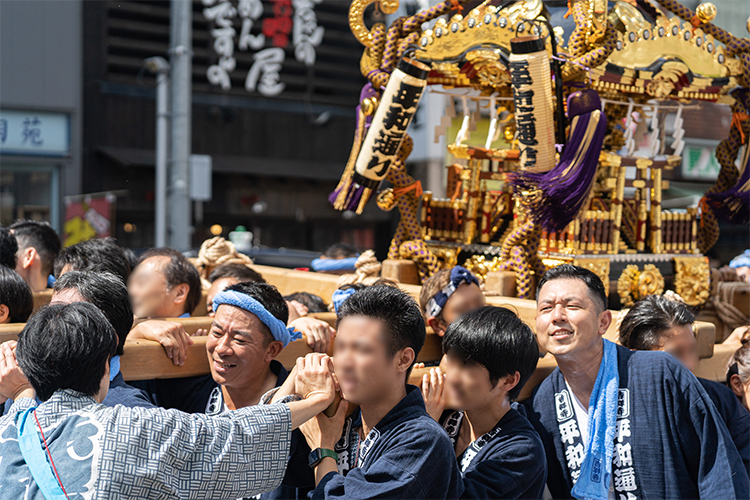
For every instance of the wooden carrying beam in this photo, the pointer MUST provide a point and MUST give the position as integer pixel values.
(145, 360)
(42, 298)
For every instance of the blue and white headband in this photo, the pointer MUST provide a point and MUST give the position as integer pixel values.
(741, 260)
(459, 275)
(278, 329)
(334, 264)
(340, 296)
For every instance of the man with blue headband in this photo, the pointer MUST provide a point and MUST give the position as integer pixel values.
(248, 332)
(447, 295)
(339, 258)
(741, 265)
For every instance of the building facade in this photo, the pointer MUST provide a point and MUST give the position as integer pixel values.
(40, 108)
(275, 84)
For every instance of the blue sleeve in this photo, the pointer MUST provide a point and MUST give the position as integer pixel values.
(189, 394)
(130, 397)
(519, 471)
(412, 467)
(706, 442)
(734, 415)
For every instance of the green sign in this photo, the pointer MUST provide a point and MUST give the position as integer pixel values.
(699, 162)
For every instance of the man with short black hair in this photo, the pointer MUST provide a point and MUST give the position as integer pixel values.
(164, 285)
(131, 453)
(225, 275)
(108, 293)
(657, 323)
(491, 353)
(618, 423)
(241, 350)
(16, 301)
(8, 248)
(98, 255)
(390, 447)
(38, 246)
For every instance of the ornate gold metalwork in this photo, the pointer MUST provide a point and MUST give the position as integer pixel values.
(634, 284)
(386, 200)
(369, 105)
(491, 71)
(600, 267)
(357, 17)
(684, 50)
(484, 27)
(706, 12)
(479, 265)
(448, 256)
(692, 279)
(650, 282)
(451, 70)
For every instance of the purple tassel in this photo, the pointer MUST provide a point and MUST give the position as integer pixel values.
(560, 196)
(355, 191)
(732, 205)
(355, 197)
(332, 197)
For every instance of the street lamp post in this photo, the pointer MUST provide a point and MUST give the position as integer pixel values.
(160, 66)
(181, 84)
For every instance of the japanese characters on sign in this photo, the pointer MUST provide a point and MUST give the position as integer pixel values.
(395, 111)
(34, 133)
(265, 37)
(623, 470)
(523, 96)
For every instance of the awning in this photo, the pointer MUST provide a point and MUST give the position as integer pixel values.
(236, 164)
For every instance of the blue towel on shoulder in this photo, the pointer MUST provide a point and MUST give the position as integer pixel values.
(596, 469)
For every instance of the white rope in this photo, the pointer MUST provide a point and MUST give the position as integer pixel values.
(464, 130)
(651, 105)
(629, 141)
(678, 144)
(493, 125)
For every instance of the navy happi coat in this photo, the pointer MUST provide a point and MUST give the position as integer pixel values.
(670, 440)
(406, 455)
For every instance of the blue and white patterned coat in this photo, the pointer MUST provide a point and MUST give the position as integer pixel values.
(148, 453)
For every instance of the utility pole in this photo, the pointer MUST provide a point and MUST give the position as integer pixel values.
(160, 66)
(180, 230)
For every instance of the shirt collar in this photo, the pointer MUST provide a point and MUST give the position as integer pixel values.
(215, 403)
(411, 406)
(114, 367)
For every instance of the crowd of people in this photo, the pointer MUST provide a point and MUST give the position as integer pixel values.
(613, 421)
